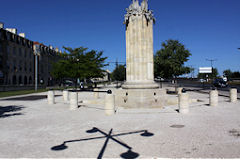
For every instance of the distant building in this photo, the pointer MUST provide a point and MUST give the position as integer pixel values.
(105, 78)
(17, 63)
(16, 58)
(48, 55)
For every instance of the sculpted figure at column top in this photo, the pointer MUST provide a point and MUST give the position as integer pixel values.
(136, 9)
(144, 5)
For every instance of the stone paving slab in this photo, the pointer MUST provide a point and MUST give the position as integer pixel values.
(34, 129)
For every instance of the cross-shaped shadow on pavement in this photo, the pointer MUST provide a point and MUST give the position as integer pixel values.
(127, 155)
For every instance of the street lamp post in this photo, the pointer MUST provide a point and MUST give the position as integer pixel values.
(36, 51)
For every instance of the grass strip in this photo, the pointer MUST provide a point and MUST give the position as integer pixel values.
(21, 92)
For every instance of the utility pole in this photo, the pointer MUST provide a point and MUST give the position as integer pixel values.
(211, 60)
(192, 69)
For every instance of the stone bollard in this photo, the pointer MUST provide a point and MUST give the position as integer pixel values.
(213, 98)
(179, 90)
(109, 104)
(65, 95)
(51, 97)
(233, 95)
(73, 100)
(183, 103)
(96, 94)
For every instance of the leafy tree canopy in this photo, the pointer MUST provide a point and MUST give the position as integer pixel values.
(60, 69)
(119, 73)
(80, 63)
(169, 61)
(229, 74)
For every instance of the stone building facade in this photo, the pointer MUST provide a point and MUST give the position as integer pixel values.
(17, 60)
(48, 55)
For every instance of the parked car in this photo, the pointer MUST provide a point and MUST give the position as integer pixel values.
(68, 83)
(202, 80)
(158, 79)
(220, 83)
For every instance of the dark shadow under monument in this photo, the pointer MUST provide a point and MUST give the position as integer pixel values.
(129, 154)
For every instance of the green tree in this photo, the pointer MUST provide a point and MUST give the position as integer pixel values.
(228, 73)
(80, 63)
(60, 70)
(169, 61)
(119, 73)
(236, 75)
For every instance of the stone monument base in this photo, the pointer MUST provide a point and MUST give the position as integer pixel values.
(140, 85)
(140, 98)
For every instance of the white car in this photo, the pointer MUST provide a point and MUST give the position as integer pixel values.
(202, 80)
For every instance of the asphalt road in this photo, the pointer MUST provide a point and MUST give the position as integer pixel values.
(203, 88)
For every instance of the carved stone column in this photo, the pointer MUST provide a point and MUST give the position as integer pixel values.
(139, 47)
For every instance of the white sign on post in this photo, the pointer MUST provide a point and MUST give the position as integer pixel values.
(205, 69)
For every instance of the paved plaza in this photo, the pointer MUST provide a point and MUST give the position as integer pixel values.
(30, 128)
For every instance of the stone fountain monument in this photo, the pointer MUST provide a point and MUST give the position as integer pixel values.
(139, 90)
(139, 47)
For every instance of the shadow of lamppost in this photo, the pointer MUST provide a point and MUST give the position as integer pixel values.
(127, 155)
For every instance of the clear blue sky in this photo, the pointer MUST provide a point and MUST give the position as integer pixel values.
(210, 29)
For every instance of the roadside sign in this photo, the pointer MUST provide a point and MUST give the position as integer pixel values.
(205, 69)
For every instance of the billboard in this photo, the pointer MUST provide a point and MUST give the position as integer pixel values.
(205, 70)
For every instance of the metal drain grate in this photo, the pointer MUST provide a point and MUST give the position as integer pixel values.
(177, 126)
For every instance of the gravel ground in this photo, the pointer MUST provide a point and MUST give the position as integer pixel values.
(34, 129)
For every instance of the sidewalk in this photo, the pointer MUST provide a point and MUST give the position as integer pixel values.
(34, 129)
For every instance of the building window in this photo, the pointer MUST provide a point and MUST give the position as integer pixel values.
(30, 80)
(25, 66)
(20, 80)
(30, 67)
(20, 52)
(41, 68)
(8, 36)
(14, 68)
(25, 80)
(20, 65)
(14, 50)
(25, 53)
(14, 80)
(8, 49)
